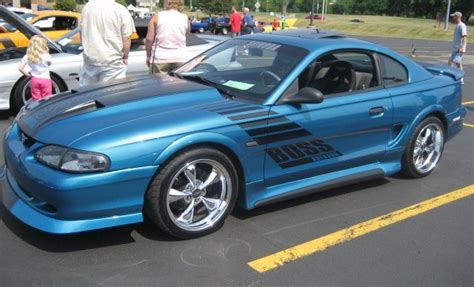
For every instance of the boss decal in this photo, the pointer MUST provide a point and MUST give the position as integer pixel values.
(292, 155)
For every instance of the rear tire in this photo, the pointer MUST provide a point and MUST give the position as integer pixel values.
(201, 30)
(424, 148)
(192, 195)
(225, 31)
(22, 92)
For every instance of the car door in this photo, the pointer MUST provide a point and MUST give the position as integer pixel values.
(56, 26)
(349, 129)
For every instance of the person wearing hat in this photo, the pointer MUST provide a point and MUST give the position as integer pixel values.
(459, 41)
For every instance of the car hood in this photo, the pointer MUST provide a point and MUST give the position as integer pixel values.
(135, 106)
(24, 27)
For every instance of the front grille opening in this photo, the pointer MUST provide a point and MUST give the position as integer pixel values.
(46, 207)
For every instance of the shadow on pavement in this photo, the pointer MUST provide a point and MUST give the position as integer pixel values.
(80, 241)
(5, 115)
(124, 234)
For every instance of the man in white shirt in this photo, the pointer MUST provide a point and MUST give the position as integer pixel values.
(106, 30)
(459, 41)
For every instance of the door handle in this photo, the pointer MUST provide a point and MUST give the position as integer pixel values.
(376, 111)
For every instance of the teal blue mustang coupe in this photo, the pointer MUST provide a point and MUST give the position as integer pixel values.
(255, 120)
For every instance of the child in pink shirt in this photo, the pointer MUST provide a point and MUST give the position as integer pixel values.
(38, 59)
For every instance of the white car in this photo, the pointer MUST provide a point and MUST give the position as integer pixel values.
(67, 60)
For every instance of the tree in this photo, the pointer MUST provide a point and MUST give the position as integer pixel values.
(65, 5)
(215, 7)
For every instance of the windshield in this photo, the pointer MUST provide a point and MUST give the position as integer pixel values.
(27, 17)
(71, 42)
(246, 69)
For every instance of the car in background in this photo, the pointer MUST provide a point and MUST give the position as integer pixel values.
(255, 120)
(67, 59)
(20, 12)
(202, 25)
(222, 26)
(53, 24)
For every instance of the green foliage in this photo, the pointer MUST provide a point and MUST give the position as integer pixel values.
(407, 8)
(65, 5)
(215, 7)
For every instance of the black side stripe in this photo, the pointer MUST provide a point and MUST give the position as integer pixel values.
(239, 110)
(220, 105)
(7, 43)
(272, 129)
(251, 115)
(297, 162)
(282, 136)
(263, 122)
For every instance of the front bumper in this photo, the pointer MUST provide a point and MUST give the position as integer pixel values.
(59, 202)
(30, 216)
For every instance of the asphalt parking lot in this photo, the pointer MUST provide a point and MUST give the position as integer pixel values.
(432, 248)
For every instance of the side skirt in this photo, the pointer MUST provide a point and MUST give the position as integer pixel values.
(330, 184)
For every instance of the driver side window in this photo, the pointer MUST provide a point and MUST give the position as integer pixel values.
(340, 72)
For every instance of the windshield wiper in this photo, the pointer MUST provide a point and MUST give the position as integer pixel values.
(202, 80)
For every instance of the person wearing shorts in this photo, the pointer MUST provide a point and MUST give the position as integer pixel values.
(459, 41)
(106, 30)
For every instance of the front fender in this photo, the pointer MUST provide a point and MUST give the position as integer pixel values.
(195, 139)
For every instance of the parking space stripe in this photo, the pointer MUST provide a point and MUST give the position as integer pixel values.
(468, 125)
(281, 258)
(468, 103)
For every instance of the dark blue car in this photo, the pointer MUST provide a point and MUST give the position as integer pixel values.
(202, 25)
(255, 120)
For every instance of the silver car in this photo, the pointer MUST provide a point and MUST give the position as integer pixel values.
(67, 60)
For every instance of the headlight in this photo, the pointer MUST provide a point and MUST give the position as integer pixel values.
(72, 160)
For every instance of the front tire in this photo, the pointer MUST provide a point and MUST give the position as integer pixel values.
(225, 31)
(22, 92)
(424, 148)
(193, 194)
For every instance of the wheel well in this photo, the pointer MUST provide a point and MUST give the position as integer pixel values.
(53, 74)
(441, 117)
(220, 147)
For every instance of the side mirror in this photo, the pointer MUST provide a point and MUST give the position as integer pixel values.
(305, 96)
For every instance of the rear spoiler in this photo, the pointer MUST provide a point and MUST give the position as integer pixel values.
(439, 69)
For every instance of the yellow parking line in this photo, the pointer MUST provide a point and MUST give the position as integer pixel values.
(469, 125)
(319, 244)
(468, 103)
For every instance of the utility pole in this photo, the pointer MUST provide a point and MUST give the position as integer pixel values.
(448, 12)
(312, 15)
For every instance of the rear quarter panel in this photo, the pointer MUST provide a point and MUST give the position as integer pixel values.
(415, 101)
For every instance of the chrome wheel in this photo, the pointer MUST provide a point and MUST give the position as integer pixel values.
(26, 91)
(199, 195)
(428, 148)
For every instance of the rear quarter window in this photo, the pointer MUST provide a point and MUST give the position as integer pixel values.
(393, 72)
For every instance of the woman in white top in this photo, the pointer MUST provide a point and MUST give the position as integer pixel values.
(38, 59)
(166, 38)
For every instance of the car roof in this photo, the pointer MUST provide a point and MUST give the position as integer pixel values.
(57, 13)
(313, 39)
